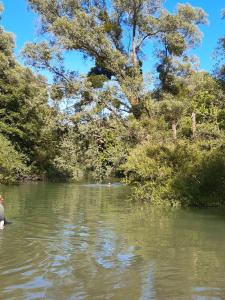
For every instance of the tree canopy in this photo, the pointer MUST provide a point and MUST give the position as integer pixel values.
(113, 34)
(26, 119)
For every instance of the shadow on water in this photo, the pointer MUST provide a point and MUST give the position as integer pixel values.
(71, 241)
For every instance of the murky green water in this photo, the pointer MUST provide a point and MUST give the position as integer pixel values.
(72, 241)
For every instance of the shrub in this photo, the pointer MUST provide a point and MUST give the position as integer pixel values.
(185, 173)
(12, 166)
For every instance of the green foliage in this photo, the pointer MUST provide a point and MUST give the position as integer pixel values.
(97, 29)
(203, 183)
(26, 119)
(177, 174)
(95, 149)
(220, 58)
(168, 143)
(188, 171)
(12, 163)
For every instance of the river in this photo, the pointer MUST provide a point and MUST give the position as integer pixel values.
(87, 241)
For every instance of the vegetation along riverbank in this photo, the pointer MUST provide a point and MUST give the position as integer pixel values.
(164, 134)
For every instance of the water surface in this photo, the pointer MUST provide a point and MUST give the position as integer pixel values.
(87, 241)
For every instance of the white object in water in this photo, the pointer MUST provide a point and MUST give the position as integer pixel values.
(2, 224)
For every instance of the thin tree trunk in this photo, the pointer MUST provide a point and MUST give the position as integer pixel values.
(137, 110)
(174, 129)
(134, 53)
(134, 42)
(193, 116)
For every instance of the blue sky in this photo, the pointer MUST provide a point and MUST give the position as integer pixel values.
(23, 23)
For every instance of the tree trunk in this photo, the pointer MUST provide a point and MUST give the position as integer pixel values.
(174, 129)
(134, 41)
(193, 116)
(134, 53)
(136, 110)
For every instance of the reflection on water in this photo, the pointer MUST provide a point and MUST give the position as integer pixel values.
(72, 241)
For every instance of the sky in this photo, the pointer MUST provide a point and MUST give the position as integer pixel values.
(20, 20)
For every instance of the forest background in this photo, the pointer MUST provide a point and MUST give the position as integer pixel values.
(141, 109)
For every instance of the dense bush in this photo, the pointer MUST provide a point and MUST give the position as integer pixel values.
(27, 120)
(204, 183)
(12, 166)
(181, 173)
(95, 149)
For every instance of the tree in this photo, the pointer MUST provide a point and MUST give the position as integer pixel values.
(95, 148)
(173, 72)
(113, 34)
(221, 55)
(12, 163)
(26, 119)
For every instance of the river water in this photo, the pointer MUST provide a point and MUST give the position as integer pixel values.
(88, 241)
